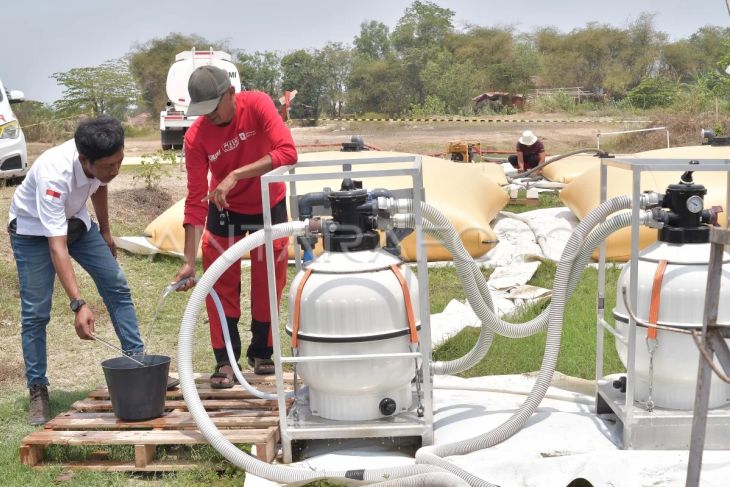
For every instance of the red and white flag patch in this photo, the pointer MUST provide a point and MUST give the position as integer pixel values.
(51, 195)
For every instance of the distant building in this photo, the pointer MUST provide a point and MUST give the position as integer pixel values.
(577, 93)
(497, 99)
(139, 119)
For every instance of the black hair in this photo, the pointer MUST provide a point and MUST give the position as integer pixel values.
(99, 137)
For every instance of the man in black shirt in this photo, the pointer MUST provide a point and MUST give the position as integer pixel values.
(530, 152)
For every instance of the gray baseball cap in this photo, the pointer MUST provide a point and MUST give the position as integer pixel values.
(206, 86)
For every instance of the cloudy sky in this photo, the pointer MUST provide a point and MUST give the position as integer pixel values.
(42, 37)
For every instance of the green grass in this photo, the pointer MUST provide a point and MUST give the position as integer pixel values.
(511, 356)
(74, 364)
(548, 199)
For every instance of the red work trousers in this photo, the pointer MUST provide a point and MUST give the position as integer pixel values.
(228, 286)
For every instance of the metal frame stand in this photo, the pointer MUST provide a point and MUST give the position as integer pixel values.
(712, 342)
(660, 428)
(300, 424)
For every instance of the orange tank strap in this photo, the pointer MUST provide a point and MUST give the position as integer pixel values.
(656, 291)
(407, 301)
(298, 309)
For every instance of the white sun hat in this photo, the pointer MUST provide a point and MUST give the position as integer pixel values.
(528, 138)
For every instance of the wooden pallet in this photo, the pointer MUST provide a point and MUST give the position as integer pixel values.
(240, 417)
(525, 201)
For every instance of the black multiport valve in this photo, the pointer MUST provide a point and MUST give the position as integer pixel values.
(685, 218)
(354, 220)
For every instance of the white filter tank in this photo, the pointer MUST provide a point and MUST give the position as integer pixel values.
(682, 304)
(353, 303)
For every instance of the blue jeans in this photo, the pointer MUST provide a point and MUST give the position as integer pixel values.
(36, 275)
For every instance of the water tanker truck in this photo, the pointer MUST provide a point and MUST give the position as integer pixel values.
(174, 120)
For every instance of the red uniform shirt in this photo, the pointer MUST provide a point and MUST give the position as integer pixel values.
(255, 130)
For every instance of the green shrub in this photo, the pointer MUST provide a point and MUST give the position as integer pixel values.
(41, 124)
(371, 115)
(433, 105)
(691, 101)
(144, 130)
(151, 169)
(653, 92)
(558, 102)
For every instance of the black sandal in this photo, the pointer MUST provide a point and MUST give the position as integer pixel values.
(217, 374)
(262, 366)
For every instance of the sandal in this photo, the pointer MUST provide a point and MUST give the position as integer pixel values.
(217, 374)
(262, 366)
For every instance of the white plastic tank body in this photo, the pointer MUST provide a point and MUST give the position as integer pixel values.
(352, 304)
(682, 304)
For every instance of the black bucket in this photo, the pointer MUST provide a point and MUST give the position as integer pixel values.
(137, 392)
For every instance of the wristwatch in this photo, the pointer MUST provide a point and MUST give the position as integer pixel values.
(76, 304)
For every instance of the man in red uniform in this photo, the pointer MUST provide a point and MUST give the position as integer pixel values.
(240, 137)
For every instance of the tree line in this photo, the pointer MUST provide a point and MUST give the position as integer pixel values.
(425, 65)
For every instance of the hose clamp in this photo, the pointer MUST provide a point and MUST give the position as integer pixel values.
(402, 220)
(650, 199)
(650, 218)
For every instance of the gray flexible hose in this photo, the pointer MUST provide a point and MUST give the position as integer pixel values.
(552, 348)
(527, 173)
(601, 232)
(477, 291)
(465, 264)
(473, 358)
(435, 479)
(429, 458)
(269, 396)
(195, 406)
(229, 346)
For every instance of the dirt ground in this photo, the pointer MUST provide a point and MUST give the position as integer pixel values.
(425, 138)
(416, 137)
(132, 203)
(419, 138)
(429, 138)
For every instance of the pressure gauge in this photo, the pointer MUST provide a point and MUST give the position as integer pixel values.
(694, 204)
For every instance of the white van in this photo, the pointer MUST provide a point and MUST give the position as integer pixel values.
(13, 152)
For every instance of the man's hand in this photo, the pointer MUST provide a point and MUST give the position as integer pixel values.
(187, 271)
(84, 323)
(218, 195)
(107, 236)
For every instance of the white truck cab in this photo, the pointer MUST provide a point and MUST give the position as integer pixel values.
(13, 151)
(174, 120)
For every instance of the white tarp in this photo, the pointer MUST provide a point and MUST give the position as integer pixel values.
(455, 317)
(562, 441)
(542, 232)
(515, 260)
(525, 239)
